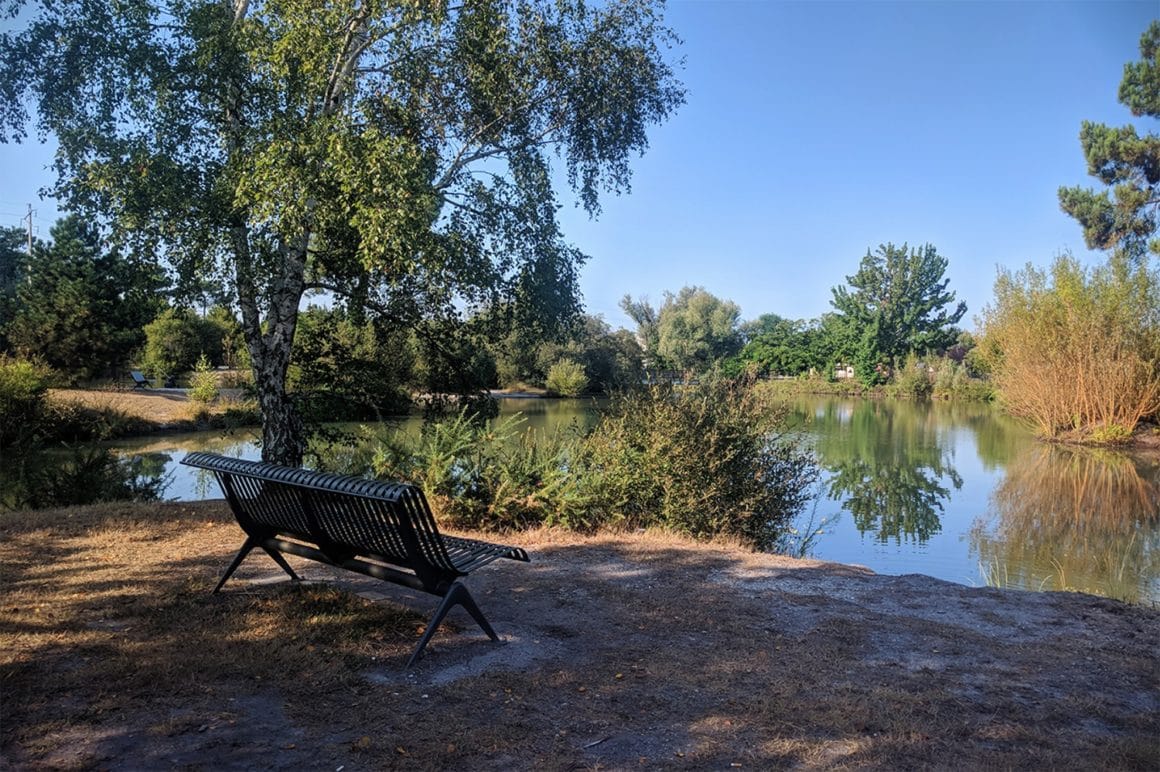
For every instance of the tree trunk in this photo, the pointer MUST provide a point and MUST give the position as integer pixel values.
(270, 342)
(283, 435)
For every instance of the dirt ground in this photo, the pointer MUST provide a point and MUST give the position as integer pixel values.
(621, 652)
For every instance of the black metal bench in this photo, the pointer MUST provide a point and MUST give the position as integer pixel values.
(139, 379)
(380, 529)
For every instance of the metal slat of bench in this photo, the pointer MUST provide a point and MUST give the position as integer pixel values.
(354, 523)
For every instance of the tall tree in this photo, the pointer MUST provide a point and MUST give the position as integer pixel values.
(898, 304)
(395, 153)
(82, 307)
(696, 328)
(13, 261)
(647, 330)
(1124, 217)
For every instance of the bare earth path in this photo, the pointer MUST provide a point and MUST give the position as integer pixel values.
(623, 652)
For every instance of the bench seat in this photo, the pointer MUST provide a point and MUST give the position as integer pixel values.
(381, 529)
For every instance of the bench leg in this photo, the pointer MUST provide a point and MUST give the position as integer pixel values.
(249, 544)
(281, 561)
(457, 594)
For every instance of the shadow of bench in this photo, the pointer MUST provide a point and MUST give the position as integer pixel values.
(380, 529)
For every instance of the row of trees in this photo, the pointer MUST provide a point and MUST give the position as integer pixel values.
(896, 305)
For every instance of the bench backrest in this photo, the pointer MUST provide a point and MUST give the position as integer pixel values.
(138, 376)
(343, 515)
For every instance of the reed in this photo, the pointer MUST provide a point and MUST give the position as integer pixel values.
(1076, 352)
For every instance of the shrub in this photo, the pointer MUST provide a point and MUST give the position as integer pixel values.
(84, 475)
(1076, 351)
(203, 384)
(706, 461)
(567, 379)
(176, 339)
(478, 476)
(913, 380)
(23, 399)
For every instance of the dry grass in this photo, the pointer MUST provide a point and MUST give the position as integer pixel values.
(624, 651)
(166, 409)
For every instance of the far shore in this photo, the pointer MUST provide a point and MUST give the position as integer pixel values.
(159, 411)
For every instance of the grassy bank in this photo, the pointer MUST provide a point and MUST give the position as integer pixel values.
(968, 390)
(92, 414)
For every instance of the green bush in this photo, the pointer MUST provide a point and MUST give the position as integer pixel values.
(478, 476)
(203, 384)
(712, 460)
(567, 379)
(1111, 434)
(176, 339)
(912, 380)
(23, 399)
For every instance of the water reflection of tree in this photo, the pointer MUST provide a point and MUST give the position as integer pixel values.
(1074, 518)
(889, 467)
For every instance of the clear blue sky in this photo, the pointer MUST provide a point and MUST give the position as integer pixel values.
(814, 131)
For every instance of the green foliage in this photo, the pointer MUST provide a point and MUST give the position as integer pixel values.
(347, 369)
(705, 461)
(567, 379)
(81, 307)
(913, 379)
(1111, 434)
(23, 398)
(897, 304)
(396, 155)
(1124, 216)
(1075, 351)
(454, 360)
(233, 343)
(177, 339)
(203, 384)
(610, 359)
(692, 331)
(648, 333)
(780, 346)
(480, 476)
(13, 267)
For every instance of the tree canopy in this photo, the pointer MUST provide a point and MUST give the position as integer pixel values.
(692, 330)
(1123, 217)
(395, 154)
(897, 304)
(79, 306)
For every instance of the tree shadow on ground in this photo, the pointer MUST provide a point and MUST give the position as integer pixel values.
(620, 651)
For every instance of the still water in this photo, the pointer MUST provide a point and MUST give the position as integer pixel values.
(955, 491)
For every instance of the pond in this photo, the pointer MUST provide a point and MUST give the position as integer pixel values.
(955, 491)
(962, 492)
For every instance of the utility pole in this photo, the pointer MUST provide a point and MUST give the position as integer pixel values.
(29, 218)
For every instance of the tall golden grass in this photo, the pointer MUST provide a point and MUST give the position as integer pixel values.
(1075, 351)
